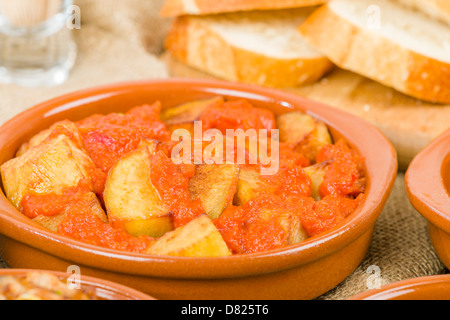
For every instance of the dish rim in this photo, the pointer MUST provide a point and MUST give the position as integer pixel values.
(407, 286)
(107, 287)
(381, 164)
(425, 185)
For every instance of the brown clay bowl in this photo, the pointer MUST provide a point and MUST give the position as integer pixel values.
(104, 290)
(423, 288)
(302, 271)
(428, 186)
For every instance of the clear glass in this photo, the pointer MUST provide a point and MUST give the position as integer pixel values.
(36, 44)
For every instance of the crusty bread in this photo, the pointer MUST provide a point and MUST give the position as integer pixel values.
(260, 47)
(438, 9)
(173, 8)
(389, 43)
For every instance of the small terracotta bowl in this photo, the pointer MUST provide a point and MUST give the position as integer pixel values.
(423, 288)
(104, 290)
(303, 271)
(428, 186)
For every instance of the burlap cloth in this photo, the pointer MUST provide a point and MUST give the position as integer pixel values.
(120, 40)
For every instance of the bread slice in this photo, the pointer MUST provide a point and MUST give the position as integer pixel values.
(387, 42)
(172, 8)
(260, 47)
(437, 9)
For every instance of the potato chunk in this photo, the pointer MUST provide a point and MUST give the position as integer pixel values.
(153, 227)
(188, 112)
(198, 238)
(88, 201)
(215, 186)
(289, 219)
(130, 196)
(49, 222)
(303, 132)
(294, 126)
(248, 184)
(293, 227)
(63, 127)
(314, 141)
(50, 167)
(316, 173)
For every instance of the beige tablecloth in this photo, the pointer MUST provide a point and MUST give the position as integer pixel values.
(120, 40)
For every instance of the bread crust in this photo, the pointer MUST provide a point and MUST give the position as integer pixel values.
(193, 43)
(378, 58)
(172, 8)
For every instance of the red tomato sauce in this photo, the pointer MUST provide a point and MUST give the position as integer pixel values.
(328, 213)
(172, 183)
(258, 225)
(290, 181)
(108, 137)
(238, 114)
(343, 171)
(82, 225)
(51, 204)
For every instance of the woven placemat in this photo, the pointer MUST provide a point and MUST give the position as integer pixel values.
(119, 41)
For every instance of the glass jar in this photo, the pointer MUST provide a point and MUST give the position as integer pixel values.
(36, 44)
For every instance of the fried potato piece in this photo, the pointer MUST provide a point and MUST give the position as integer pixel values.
(188, 112)
(314, 141)
(50, 167)
(198, 238)
(304, 132)
(49, 222)
(248, 183)
(215, 186)
(293, 227)
(294, 126)
(69, 127)
(316, 173)
(130, 196)
(88, 200)
(153, 227)
(289, 220)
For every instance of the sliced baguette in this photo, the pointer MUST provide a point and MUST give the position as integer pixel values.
(437, 9)
(172, 8)
(262, 48)
(386, 42)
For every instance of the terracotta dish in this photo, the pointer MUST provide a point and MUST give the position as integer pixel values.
(428, 186)
(423, 288)
(102, 289)
(302, 271)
